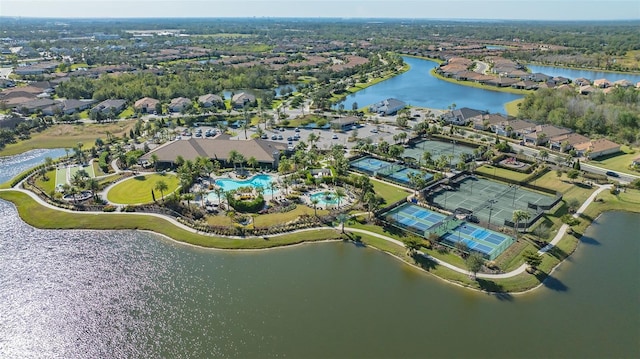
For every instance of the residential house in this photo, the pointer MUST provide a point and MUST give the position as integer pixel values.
(387, 107)
(538, 77)
(519, 128)
(502, 81)
(581, 81)
(146, 105)
(636, 162)
(525, 85)
(67, 107)
(587, 89)
(35, 105)
(461, 116)
(210, 100)
(485, 121)
(559, 80)
(623, 83)
(110, 106)
(242, 99)
(566, 142)
(178, 104)
(602, 83)
(541, 134)
(597, 148)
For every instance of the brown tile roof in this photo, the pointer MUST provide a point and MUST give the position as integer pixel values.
(571, 138)
(216, 148)
(146, 101)
(597, 146)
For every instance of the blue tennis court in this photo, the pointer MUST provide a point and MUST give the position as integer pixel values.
(489, 243)
(369, 164)
(413, 216)
(403, 175)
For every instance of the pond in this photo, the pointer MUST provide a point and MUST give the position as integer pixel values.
(588, 74)
(418, 88)
(106, 294)
(11, 166)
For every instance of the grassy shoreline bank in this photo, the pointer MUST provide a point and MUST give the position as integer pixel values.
(42, 217)
(480, 86)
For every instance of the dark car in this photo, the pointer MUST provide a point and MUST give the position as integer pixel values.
(264, 136)
(274, 137)
(289, 138)
(612, 174)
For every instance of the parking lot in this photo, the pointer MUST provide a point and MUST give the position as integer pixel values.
(327, 137)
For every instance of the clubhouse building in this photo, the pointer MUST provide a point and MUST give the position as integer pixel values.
(267, 153)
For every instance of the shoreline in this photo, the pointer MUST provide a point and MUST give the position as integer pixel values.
(449, 275)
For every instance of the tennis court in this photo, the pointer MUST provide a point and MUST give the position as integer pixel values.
(437, 150)
(490, 199)
(487, 242)
(369, 164)
(415, 217)
(451, 230)
(403, 175)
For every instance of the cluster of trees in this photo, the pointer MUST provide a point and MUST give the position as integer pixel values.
(188, 84)
(615, 114)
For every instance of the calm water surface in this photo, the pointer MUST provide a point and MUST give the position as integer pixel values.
(126, 294)
(418, 88)
(588, 74)
(11, 166)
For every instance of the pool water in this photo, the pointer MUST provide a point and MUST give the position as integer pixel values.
(262, 180)
(324, 199)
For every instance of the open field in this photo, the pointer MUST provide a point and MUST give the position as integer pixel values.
(502, 172)
(138, 189)
(68, 136)
(389, 192)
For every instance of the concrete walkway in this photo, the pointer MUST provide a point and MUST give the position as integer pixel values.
(512, 273)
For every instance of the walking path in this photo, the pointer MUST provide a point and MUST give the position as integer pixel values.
(515, 272)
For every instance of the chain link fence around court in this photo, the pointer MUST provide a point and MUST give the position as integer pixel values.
(491, 202)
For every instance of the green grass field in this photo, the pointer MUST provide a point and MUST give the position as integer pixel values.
(389, 192)
(68, 136)
(137, 190)
(618, 162)
(502, 172)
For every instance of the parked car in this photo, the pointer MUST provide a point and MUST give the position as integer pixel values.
(297, 129)
(335, 137)
(274, 137)
(264, 136)
(279, 137)
(289, 138)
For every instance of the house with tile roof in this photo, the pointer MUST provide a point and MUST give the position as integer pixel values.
(597, 148)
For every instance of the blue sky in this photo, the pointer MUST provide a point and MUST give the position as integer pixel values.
(428, 9)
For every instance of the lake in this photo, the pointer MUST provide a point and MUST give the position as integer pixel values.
(11, 166)
(418, 88)
(123, 294)
(588, 74)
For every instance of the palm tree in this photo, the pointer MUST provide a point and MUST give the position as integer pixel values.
(519, 215)
(342, 218)
(253, 162)
(93, 186)
(315, 201)
(154, 161)
(273, 186)
(48, 161)
(340, 194)
(161, 186)
(219, 192)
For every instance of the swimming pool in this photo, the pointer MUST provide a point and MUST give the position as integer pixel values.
(325, 199)
(262, 180)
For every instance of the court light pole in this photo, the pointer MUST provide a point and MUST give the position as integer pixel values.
(515, 188)
(491, 202)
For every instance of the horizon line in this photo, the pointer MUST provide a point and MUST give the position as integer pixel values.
(17, 17)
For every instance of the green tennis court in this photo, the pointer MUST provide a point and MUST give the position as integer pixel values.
(488, 198)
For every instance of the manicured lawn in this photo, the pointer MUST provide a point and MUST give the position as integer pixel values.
(138, 189)
(502, 172)
(68, 136)
(48, 185)
(618, 162)
(42, 217)
(390, 193)
(127, 113)
(266, 220)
